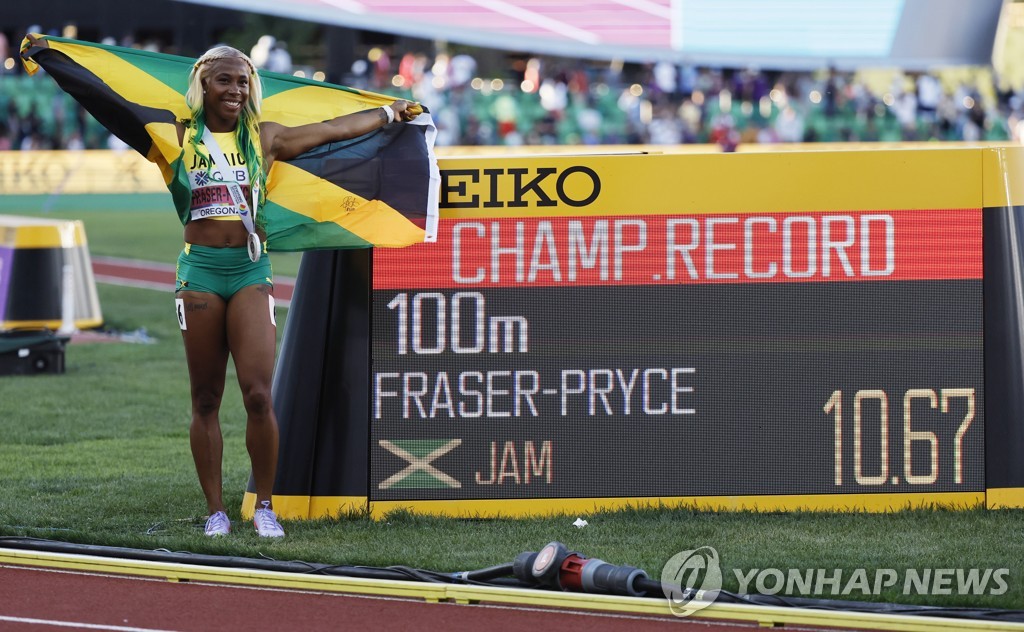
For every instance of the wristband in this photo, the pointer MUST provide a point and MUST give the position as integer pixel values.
(390, 113)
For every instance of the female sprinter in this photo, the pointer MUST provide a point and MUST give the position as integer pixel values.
(224, 290)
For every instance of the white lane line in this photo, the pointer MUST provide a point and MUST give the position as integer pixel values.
(77, 624)
(134, 263)
(166, 268)
(146, 285)
(160, 287)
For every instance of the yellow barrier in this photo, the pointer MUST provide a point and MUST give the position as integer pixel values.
(46, 279)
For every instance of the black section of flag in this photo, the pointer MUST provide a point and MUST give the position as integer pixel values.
(396, 154)
(123, 118)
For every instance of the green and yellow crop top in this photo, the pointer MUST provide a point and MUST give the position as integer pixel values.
(210, 196)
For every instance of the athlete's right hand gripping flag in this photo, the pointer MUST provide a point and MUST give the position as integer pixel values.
(380, 189)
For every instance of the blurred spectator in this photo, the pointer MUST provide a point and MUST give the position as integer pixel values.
(553, 95)
(5, 52)
(260, 52)
(590, 121)
(789, 126)
(271, 54)
(546, 101)
(905, 110)
(74, 142)
(505, 111)
(665, 127)
(116, 144)
(665, 77)
(380, 65)
(448, 129)
(929, 94)
(724, 133)
(462, 68)
(280, 60)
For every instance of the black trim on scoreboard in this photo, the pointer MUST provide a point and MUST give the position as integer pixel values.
(321, 382)
(689, 390)
(1004, 347)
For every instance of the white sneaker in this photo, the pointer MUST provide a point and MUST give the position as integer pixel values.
(266, 522)
(218, 524)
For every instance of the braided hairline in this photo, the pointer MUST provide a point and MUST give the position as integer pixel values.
(224, 52)
(194, 93)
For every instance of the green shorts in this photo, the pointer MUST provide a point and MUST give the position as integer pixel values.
(220, 271)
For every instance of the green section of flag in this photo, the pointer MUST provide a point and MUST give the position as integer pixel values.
(293, 232)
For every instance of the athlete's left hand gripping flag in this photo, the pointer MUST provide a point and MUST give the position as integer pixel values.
(380, 189)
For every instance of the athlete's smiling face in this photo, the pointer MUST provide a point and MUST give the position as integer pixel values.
(227, 90)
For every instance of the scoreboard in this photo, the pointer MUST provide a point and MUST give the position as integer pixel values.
(822, 330)
(681, 355)
(701, 340)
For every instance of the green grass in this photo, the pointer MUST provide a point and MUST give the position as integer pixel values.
(100, 455)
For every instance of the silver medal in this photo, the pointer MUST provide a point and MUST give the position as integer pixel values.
(254, 247)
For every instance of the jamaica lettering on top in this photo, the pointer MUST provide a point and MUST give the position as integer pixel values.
(235, 159)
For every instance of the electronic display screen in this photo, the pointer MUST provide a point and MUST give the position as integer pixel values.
(660, 355)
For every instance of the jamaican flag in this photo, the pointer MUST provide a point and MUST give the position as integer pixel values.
(379, 189)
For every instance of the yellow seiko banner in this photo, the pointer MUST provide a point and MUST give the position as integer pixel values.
(472, 184)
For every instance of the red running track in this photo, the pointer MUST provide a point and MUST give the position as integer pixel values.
(36, 599)
(160, 276)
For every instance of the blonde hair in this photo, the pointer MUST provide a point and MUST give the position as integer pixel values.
(247, 132)
(200, 70)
